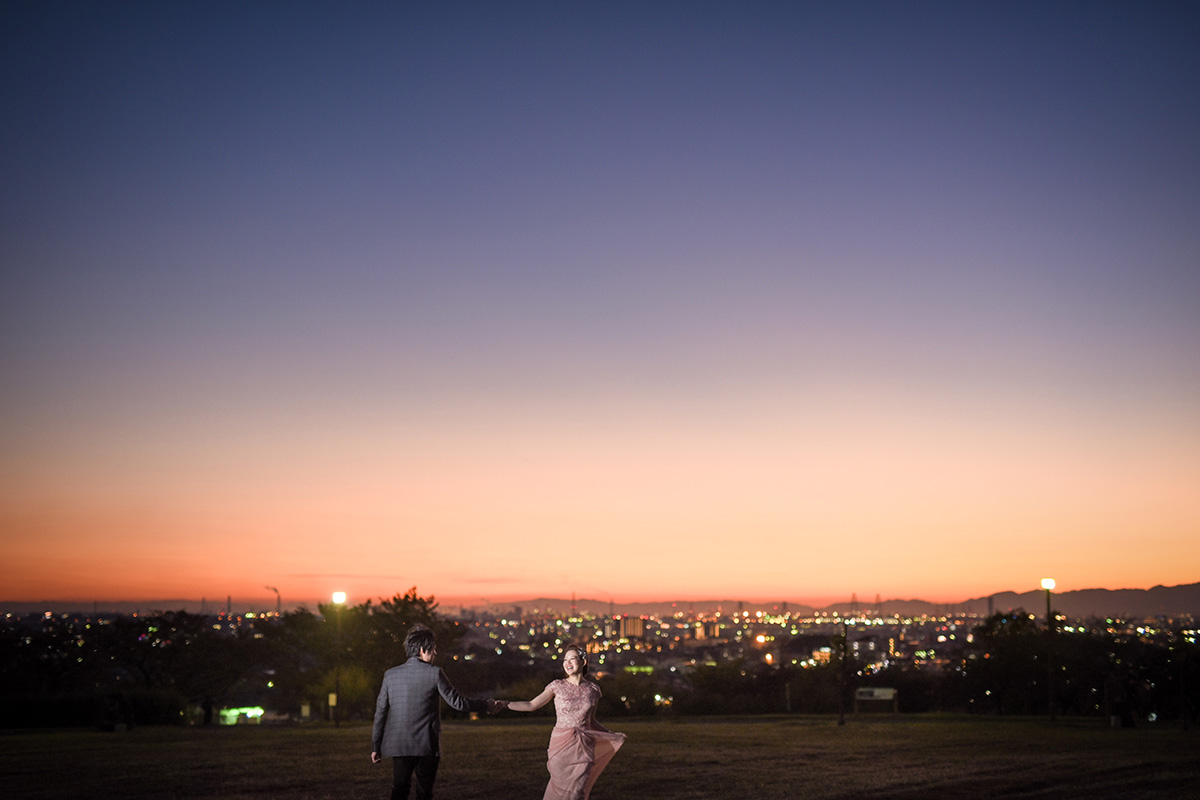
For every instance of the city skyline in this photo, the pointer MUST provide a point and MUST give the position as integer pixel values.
(1154, 601)
(695, 299)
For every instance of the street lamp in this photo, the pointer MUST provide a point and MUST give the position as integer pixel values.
(339, 599)
(1048, 584)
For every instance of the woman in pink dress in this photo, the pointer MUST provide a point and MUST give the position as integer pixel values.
(580, 748)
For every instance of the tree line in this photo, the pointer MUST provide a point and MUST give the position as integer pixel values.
(176, 667)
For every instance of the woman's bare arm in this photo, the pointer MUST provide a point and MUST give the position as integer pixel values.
(534, 704)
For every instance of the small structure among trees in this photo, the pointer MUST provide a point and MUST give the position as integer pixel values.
(876, 698)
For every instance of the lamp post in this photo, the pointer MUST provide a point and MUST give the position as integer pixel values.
(339, 598)
(843, 666)
(1048, 584)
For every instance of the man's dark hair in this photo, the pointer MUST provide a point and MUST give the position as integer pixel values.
(419, 638)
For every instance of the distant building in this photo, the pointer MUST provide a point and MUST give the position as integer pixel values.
(633, 627)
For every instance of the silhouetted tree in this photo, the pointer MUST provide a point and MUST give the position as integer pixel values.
(1004, 667)
(295, 647)
(629, 694)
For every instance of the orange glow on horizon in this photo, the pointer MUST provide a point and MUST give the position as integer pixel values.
(843, 499)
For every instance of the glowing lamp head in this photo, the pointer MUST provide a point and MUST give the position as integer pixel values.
(340, 597)
(1047, 583)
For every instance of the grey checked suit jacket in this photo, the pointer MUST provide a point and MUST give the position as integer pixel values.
(407, 718)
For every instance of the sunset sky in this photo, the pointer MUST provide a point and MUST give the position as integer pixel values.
(641, 301)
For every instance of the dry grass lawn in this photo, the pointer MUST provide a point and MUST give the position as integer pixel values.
(893, 758)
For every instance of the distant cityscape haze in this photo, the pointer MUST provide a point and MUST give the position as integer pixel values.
(1153, 601)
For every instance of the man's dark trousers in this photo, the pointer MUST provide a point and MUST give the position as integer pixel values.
(403, 768)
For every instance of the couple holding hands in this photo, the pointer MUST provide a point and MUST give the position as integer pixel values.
(408, 726)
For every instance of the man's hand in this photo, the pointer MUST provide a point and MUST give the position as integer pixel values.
(375, 757)
(496, 706)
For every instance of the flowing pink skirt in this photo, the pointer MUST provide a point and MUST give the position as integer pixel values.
(575, 758)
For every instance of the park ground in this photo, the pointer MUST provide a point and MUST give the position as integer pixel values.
(883, 757)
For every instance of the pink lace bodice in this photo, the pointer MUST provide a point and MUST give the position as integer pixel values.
(573, 704)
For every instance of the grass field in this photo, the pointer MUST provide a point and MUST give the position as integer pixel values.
(884, 758)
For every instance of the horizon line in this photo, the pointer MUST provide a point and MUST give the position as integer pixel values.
(474, 601)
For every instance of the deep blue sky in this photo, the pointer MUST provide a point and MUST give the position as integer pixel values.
(642, 274)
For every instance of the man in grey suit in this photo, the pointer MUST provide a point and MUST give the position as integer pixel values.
(408, 723)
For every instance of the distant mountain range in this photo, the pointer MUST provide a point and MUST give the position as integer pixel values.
(1168, 601)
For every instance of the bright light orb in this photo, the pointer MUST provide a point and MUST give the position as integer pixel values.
(340, 597)
(1047, 583)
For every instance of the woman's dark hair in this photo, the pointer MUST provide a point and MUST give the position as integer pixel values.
(419, 638)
